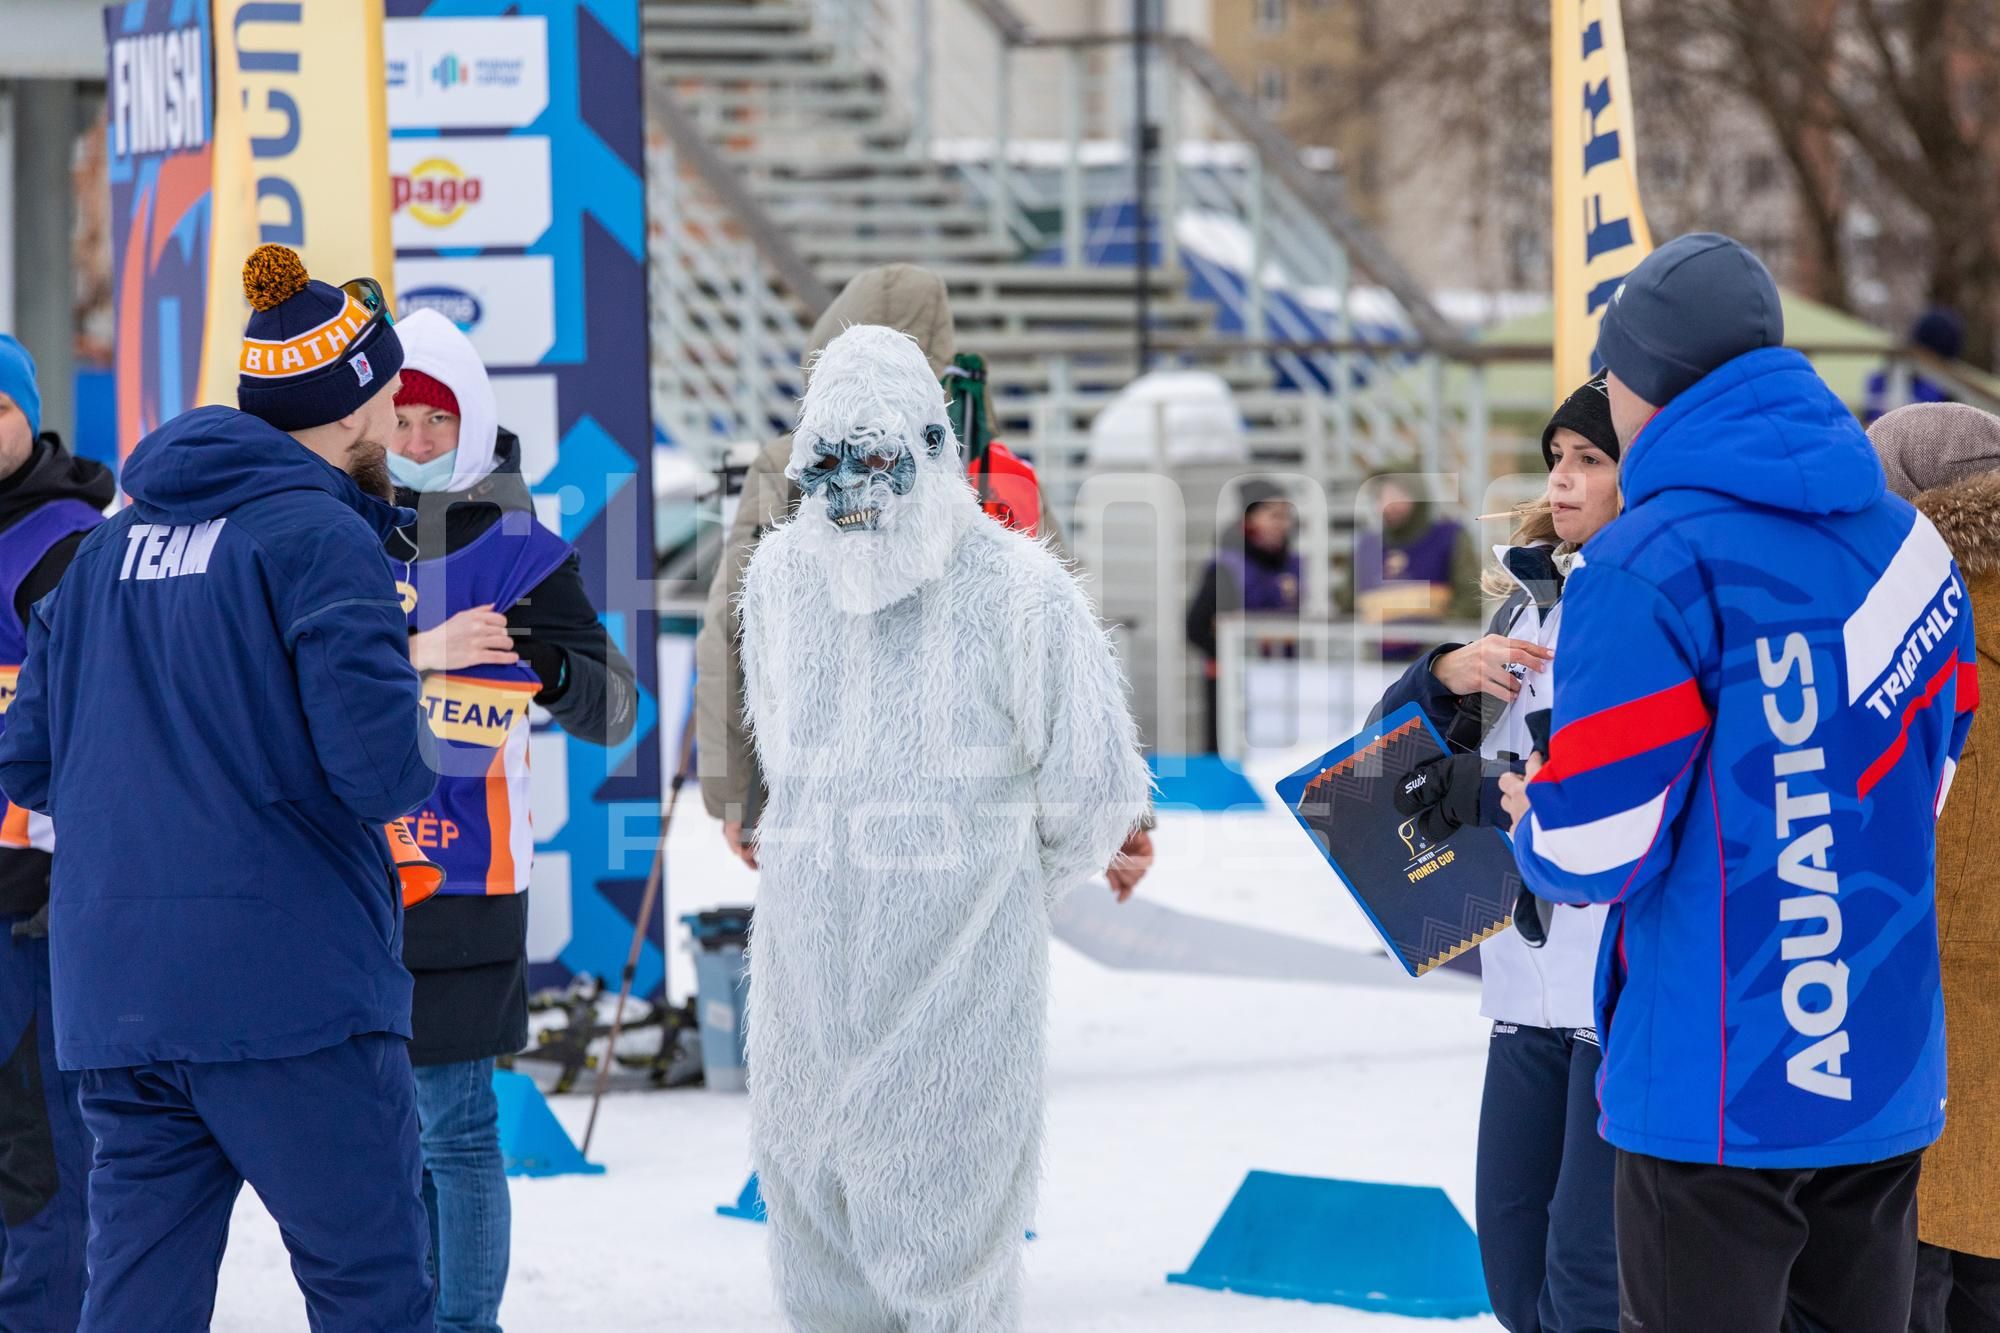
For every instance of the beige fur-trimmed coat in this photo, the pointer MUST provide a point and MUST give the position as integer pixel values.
(1958, 1204)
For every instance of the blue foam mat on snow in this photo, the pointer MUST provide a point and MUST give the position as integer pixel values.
(749, 1205)
(532, 1141)
(1202, 781)
(1396, 1249)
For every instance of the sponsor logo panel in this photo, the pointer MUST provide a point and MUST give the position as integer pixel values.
(469, 193)
(466, 73)
(504, 303)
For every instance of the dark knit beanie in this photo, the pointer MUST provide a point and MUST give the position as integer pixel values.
(1940, 331)
(1691, 306)
(1588, 413)
(312, 353)
(1257, 492)
(422, 390)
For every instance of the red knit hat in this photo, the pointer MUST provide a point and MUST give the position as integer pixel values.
(423, 391)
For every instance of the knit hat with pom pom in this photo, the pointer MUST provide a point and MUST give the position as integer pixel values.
(312, 353)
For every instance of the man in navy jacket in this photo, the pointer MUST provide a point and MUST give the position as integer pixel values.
(218, 710)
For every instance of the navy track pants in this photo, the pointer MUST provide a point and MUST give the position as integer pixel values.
(1546, 1193)
(329, 1142)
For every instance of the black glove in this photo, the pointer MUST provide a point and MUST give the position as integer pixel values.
(1538, 732)
(1443, 793)
(550, 665)
(1531, 918)
(35, 927)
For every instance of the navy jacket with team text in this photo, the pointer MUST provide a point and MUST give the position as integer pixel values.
(1767, 675)
(219, 712)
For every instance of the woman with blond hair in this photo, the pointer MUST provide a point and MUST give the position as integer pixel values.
(1544, 1191)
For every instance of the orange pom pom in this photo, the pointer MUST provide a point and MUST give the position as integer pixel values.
(273, 275)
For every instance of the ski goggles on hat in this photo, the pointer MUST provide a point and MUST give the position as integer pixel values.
(368, 294)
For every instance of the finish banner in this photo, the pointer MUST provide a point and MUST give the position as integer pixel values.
(159, 120)
(1600, 230)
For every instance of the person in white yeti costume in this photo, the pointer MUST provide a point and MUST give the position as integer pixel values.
(945, 737)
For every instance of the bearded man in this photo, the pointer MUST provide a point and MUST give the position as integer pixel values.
(218, 711)
(944, 733)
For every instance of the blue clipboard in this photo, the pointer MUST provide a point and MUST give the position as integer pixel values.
(1429, 902)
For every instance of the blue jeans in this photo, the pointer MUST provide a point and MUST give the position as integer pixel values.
(465, 1189)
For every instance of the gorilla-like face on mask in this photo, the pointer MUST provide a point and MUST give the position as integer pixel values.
(856, 477)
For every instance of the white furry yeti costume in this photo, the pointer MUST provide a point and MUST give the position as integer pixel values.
(944, 733)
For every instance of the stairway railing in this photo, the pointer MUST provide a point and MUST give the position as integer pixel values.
(1083, 77)
(1039, 128)
(731, 297)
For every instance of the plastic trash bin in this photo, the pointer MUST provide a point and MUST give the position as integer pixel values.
(722, 989)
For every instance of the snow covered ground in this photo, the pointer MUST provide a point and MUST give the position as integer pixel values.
(1165, 1090)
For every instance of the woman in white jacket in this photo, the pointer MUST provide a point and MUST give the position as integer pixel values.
(1544, 1193)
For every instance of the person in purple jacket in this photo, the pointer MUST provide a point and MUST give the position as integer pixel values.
(1255, 569)
(49, 500)
(1416, 568)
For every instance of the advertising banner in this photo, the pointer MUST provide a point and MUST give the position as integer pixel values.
(301, 153)
(516, 193)
(1600, 230)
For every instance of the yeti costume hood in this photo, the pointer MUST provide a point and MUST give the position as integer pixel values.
(884, 499)
(434, 345)
(942, 727)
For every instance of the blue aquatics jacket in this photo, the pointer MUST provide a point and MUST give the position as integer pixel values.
(1767, 673)
(219, 712)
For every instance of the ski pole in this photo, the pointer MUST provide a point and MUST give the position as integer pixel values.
(639, 930)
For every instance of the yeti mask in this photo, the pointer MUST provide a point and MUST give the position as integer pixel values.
(883, 499)
(849, 475)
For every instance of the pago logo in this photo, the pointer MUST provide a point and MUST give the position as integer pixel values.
(455, 304)
(436, 192)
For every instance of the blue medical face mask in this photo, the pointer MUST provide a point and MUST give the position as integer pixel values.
(424, 478)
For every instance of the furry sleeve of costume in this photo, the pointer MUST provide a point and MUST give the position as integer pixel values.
(1092, 786)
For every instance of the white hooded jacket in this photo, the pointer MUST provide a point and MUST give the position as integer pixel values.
(434, 345)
